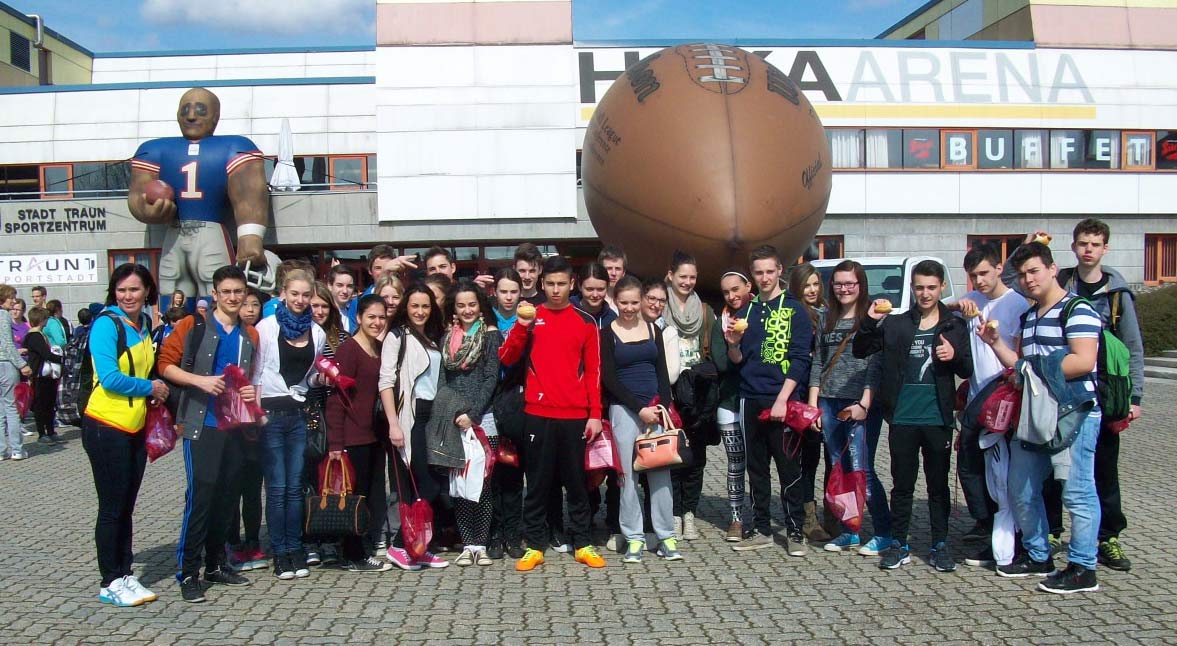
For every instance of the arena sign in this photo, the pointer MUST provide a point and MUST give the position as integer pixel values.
(885, 75)
(49, 269)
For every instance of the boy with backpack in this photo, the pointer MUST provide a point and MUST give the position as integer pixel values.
(1121, 375)
(194, 358)
(77, 371)
(1059, 341)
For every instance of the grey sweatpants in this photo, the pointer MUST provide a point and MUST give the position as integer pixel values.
(10, 437)
(626, 428)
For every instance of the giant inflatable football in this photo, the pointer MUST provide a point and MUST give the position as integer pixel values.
(708, 149)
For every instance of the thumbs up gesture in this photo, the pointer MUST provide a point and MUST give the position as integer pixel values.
(944, 350)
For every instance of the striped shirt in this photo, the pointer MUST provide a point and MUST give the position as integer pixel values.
(1045, 336)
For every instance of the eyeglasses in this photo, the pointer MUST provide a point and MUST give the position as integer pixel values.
(231, 292)
(654, 300)
(845, 287)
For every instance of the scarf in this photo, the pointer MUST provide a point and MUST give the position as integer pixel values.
(292, 325)
(505, 323)
(463, 348)
(689, 321)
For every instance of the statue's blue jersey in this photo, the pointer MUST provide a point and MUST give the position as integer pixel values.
(198, 171)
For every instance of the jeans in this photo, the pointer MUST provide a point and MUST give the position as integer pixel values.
(626, 428)
(283, 443)
(10, 428)
(1027, 471)
(859, 454)
(117, 459)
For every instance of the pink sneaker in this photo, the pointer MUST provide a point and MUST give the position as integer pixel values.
(257, 555)
(400, 558)
(432, 561)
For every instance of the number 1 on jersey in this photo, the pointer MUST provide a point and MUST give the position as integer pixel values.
(190, 191)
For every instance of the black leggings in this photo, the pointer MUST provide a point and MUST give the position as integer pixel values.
(368, 460)
(117, 460)
(45, 405)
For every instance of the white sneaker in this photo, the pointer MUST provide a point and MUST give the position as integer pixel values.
(27, 433)
(677, 527)
(19, 456)
(615, 543)
(689, 531)
(138, 589)
(117, 594)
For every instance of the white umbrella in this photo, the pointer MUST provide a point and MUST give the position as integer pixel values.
(285, 177)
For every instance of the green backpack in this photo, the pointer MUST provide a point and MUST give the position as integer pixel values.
(1114, 386)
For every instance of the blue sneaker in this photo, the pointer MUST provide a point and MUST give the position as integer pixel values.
(875, 546)
(668, 549)
(895, 556)
(846, 541)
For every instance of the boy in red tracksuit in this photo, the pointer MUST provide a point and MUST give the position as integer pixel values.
(562, 410)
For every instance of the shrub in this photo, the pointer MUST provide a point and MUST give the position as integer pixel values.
(1157, 311)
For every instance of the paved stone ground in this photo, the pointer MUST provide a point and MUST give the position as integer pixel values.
(50, 580)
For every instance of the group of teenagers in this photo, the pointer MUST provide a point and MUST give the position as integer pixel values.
(539, 357)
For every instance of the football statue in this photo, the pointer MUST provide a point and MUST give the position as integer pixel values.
(707, 148)
(185, 183)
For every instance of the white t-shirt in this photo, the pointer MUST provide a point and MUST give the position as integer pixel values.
(1008, 309)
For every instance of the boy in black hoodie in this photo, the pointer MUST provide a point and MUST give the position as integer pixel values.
(922, 351)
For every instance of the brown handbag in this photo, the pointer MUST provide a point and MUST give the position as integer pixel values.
(662, 446)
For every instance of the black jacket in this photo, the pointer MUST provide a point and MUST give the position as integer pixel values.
(893, 337)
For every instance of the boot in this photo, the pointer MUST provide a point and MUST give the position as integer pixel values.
(812, 529)
(831, 524)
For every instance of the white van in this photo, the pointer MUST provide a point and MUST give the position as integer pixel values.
(889, 277)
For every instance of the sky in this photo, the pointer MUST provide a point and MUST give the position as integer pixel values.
(139, 25)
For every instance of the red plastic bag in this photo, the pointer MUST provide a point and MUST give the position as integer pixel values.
(846, 495)
(24, 397)
(799, 416)
(336, 474)
(161, 431)
(231, 411)
(1003, 408)
(329, 370)
(416, 517)
(507, 453)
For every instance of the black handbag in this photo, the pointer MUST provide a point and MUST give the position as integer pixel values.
(316, 448)
(337, 515)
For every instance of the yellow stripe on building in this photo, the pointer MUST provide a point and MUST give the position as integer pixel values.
(935, 111)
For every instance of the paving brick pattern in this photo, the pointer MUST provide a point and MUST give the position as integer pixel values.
(50, 580)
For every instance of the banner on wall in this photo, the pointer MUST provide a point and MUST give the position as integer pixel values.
(49, 269)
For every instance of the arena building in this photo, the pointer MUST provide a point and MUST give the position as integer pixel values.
(463, 127)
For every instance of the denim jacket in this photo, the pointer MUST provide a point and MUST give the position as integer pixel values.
(1073, 399)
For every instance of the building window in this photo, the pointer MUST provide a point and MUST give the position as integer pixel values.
(19, 182)
(959, 149)
(846, 147)
(57, 181)
(148, 258)
(312, 172)
(1029, 148)
(1006, 243)
(1138, 150)
(823, 248)
(1066, 148)
(921, 148)
(20, 51)
(995, 149)
(1160, 258)
(348, 172)
(1103, 149)
(1167, 150)
(884, 148)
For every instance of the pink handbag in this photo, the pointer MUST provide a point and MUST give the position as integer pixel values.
(662, 446)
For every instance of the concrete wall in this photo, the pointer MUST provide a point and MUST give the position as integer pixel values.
(104, 124)
(109, 68)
